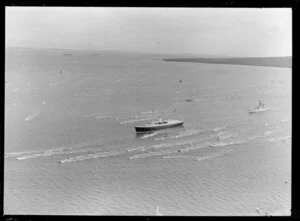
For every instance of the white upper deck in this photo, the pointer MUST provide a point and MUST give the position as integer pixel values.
(161, 123)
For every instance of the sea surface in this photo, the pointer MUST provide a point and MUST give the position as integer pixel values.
(71, 147)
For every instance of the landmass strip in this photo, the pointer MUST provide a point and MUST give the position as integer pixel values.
(285, 62)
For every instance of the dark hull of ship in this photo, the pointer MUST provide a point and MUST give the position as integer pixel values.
(159, 127)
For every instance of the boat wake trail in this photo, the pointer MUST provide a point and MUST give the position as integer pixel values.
(221, 139)
(224, 135)
(149, 135)
(170, 148)
(88, 157)
(172, 145)
(99, 117)
(58, 152)
(285, 120)
(161, 138)
(37, 153)
(33, 115)
(284, 139)
(198, 158)
(151, 154)
(192, 132)
(137, 149)
(187, 133)
(198, 140)
(179, 156)
(214, 139)
(43, 154)
(268, 133)
(218, 128)
(194, 147)
(215, 155)
(15, 154)
(222, 144)
(93, 147)
(255, 137)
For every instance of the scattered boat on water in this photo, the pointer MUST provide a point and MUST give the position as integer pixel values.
(256, 110)
(189, 99)
(260, 108)
(159, 125)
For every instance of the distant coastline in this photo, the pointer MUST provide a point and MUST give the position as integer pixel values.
(285, 62)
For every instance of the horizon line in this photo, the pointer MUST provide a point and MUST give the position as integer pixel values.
(136, 51)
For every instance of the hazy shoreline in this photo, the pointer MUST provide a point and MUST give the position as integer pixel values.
(285, 62)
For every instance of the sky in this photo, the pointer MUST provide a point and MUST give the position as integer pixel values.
(215, 31)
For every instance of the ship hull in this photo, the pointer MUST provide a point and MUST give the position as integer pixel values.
(158, 127)
(259, 110)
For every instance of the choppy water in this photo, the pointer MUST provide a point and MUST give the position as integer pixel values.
(71, 148)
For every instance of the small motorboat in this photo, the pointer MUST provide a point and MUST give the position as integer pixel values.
(256, 110)
(260, 108)
(189, 99)
(159, 125)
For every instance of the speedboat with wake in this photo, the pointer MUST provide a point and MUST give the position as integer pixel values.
(159, 125)
(260, 108)
(157, 212)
